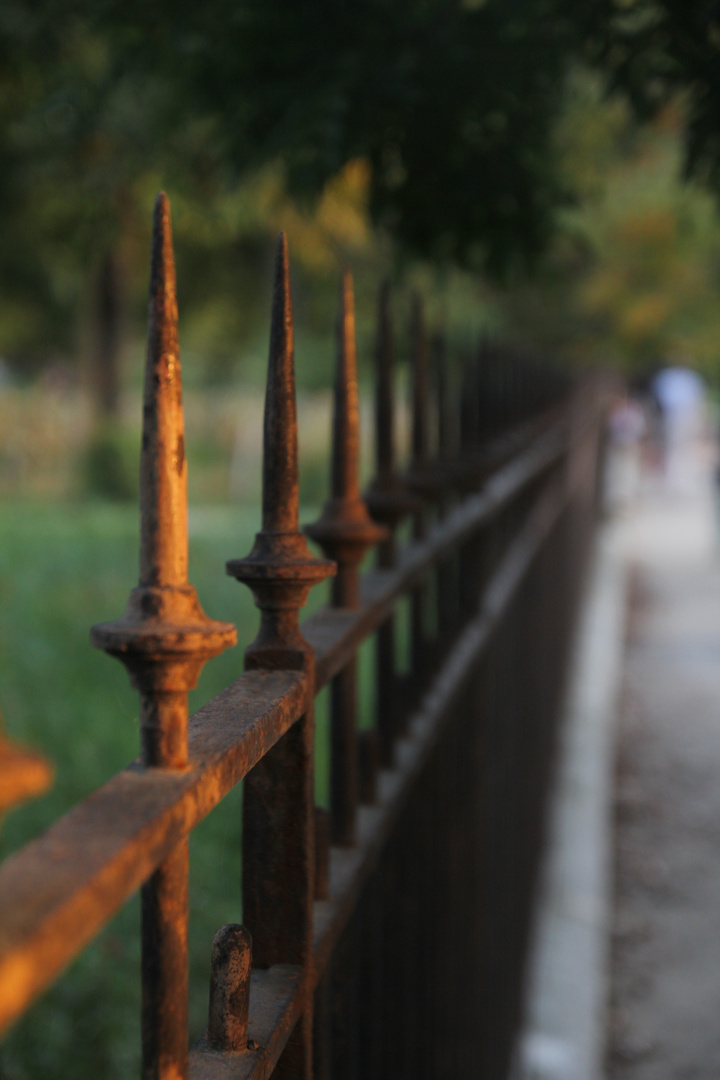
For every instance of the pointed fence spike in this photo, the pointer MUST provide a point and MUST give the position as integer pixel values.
(280, 455)
(164, 637)
(346, 422)
(384, 357)
(280, 569)
(388, 497)
(163, 469)
(345, 529)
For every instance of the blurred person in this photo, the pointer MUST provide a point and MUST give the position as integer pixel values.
(680, 394)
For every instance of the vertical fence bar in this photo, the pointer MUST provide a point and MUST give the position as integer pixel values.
(278, 809)
(447, 567)
(164, 638)
(389, 502)
(345, 531)
(417, 476)
(230, 967)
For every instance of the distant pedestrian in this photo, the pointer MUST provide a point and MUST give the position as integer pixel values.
(680, 394)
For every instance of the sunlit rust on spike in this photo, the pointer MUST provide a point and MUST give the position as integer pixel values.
(388, 498)
(280, 569)
(345, 530)
(278, 855)
(164, 638)
(163, 471)
(385, 360)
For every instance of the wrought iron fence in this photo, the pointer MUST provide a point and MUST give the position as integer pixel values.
(385, 937)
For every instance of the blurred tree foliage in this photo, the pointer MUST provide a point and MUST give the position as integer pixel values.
(655, 50)
(634, 277)
(386, 131)
(448, 106)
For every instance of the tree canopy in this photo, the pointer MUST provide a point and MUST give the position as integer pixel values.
(447, 109)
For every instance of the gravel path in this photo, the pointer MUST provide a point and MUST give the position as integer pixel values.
(665, 991)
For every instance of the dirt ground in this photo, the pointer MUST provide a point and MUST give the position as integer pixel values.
(664, 1017)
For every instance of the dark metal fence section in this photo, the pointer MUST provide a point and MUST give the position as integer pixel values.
(385, 937)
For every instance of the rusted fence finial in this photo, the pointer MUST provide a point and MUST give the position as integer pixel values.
(345, 530)
(164, 638)
(280, 569)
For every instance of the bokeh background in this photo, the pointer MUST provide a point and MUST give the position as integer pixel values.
(543, 171)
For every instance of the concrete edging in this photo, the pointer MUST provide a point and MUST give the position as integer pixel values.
(566, 995)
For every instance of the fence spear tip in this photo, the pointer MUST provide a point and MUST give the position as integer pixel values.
(280, 455)
(345, 530)
(163, 471)
(346, 414)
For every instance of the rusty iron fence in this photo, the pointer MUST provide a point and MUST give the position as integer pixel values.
(385, 937)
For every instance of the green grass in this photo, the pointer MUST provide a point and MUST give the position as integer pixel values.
(63, 568)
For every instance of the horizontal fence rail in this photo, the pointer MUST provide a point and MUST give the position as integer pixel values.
(386, 935)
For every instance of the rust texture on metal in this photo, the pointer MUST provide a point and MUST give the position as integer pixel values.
(280, 569)
(63, 886)
(349, 869)
(435, 816)
(59, 890)
(276, 1002)
(164, 638)
(345, 531)
(278, 852)
(230, 966)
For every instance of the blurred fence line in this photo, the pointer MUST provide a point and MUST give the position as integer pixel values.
(386, 936)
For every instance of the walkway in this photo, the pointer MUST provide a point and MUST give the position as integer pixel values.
(665, 999)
